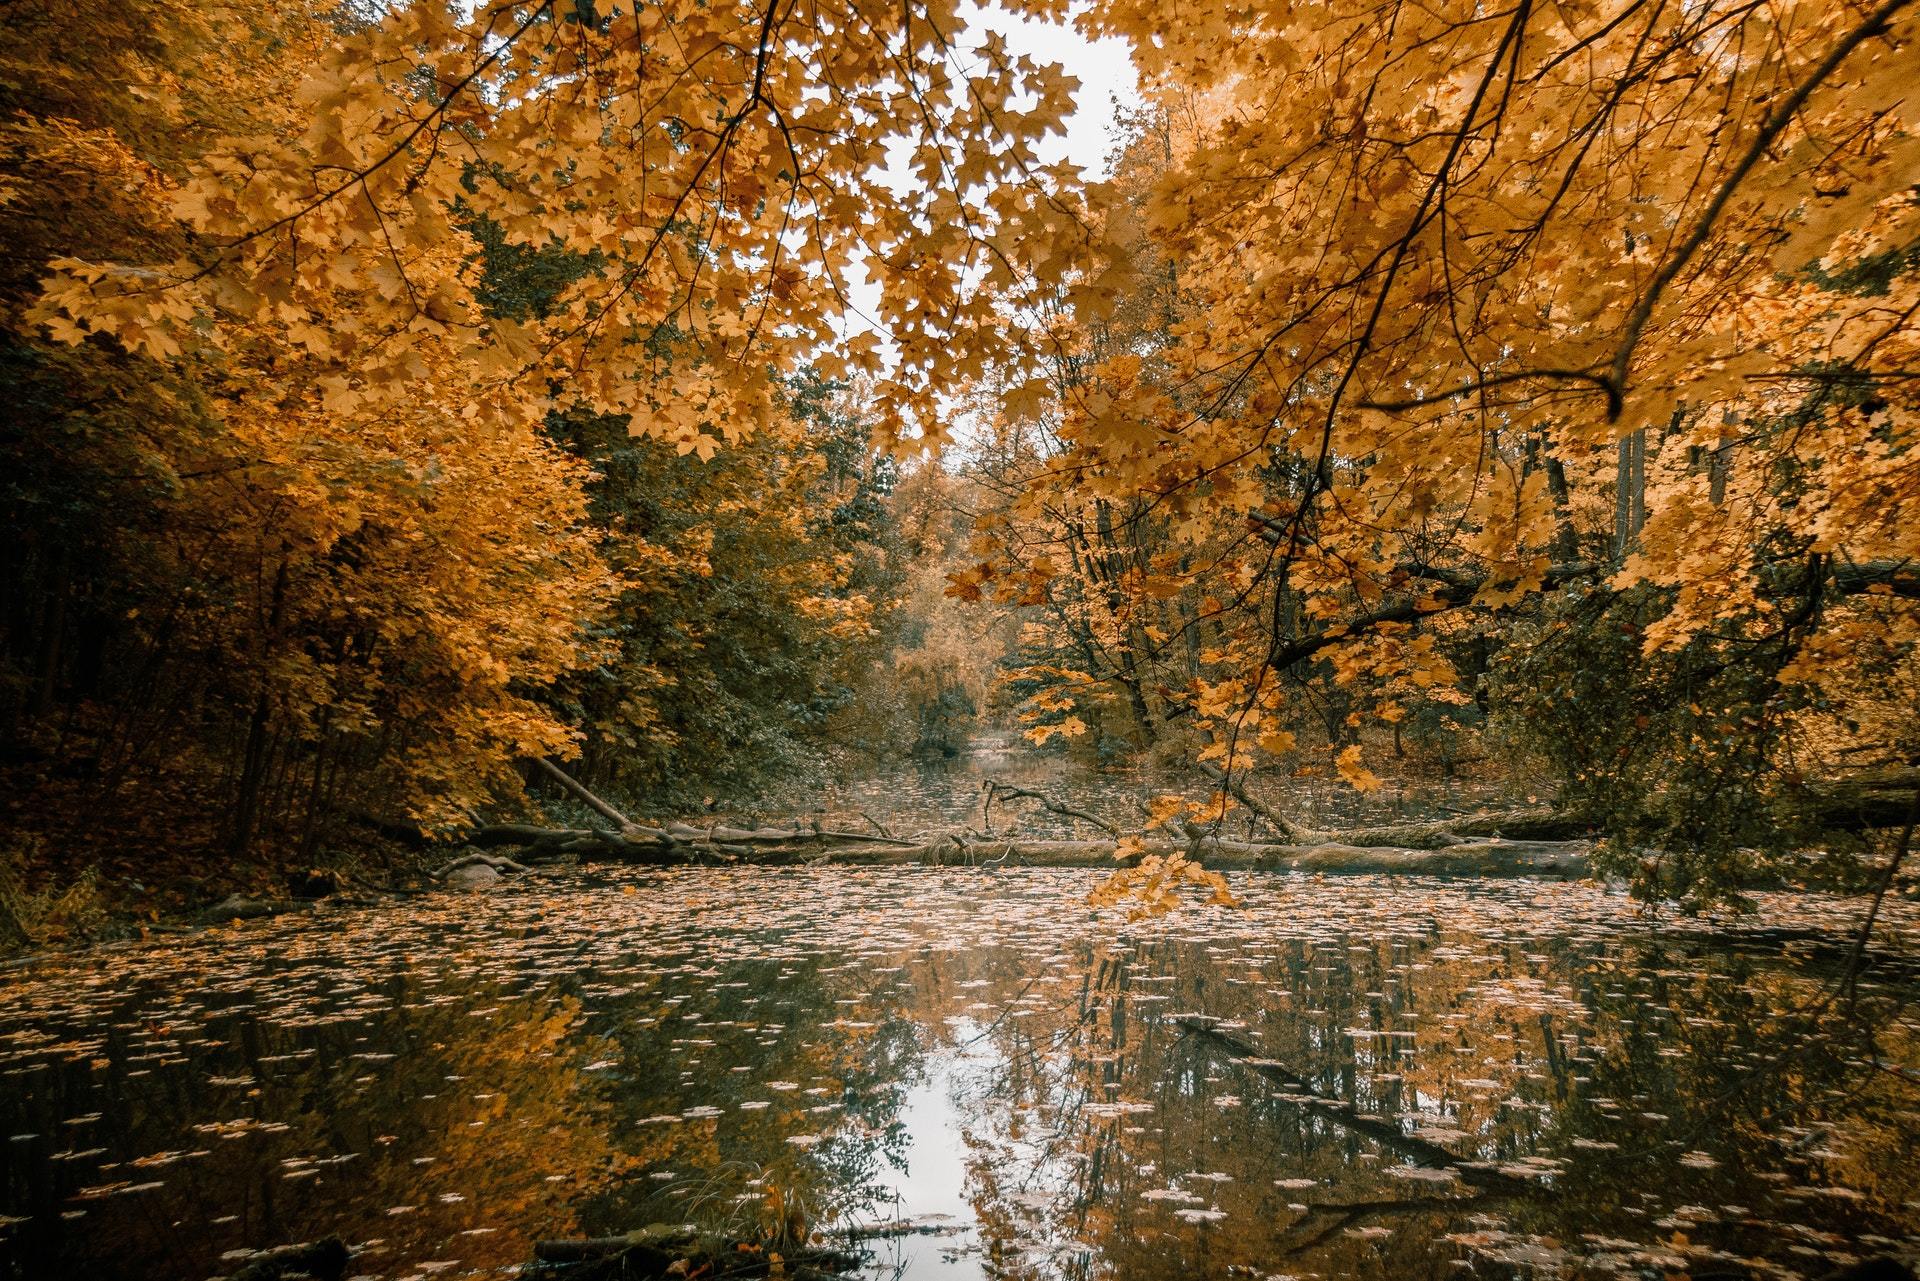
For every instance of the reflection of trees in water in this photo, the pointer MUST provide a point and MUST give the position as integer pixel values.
(448, 1117)
(1739, 1102)
(390, 1116)
(1640, 1093)
(568, 1077)
(837, 1040)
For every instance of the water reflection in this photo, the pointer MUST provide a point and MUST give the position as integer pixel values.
(970, 1069)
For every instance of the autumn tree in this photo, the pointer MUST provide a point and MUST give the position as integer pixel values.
(945, 660)
(755, 594)
(302, 537)
(235, 613)
(1470, 305)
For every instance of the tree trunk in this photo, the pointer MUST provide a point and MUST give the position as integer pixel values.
(1629, 497)
(1719, 463)
(1565, 539)
(593, 802)
(1637, 513)
(257, 752)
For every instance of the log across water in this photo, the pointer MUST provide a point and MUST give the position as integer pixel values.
(1483, 858)
(679, 844)
(1524, 842)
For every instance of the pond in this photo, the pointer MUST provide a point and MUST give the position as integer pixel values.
(977, 1074)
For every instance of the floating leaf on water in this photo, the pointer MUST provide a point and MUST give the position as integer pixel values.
(1423, 1174)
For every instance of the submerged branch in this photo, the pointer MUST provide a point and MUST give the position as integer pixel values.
(1384, 1132)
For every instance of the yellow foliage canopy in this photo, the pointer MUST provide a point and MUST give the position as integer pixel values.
(1438, 308)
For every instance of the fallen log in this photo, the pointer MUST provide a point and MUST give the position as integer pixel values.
(1482, 858)
(1853, 806)
(1847, 806)
(683, 845)
(493, 861)
(772, 835)
(523, 835)
(1406, 836)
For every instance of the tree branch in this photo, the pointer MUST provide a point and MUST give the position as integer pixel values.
(1770, 129)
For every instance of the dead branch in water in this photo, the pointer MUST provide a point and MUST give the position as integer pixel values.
(1268, 815)
(995, 789)
(1386, 1133)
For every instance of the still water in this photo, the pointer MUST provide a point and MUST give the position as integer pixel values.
(1542, 1082)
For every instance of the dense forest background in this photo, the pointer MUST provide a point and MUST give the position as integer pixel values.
(394, 400)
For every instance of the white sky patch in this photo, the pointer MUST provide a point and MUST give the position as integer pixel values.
(1103, 67)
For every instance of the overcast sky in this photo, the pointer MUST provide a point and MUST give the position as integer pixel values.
(1103, 67)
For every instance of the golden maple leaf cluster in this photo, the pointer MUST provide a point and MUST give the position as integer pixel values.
(1436, 310)
(257, 278)
(713, 167)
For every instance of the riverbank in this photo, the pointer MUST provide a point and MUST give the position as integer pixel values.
(996, 804)
(139, 912)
